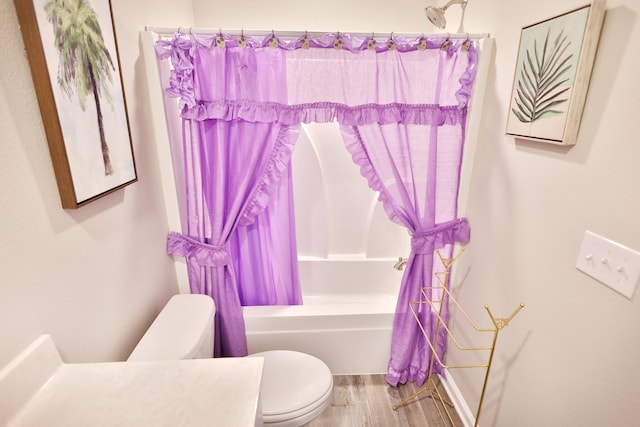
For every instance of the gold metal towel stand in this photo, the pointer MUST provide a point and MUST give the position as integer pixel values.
(436, 306)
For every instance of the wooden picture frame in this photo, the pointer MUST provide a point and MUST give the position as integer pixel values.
(551, 79)
(78, 83)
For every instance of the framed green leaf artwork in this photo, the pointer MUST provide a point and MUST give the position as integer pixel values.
(72, 52)
(553, 68)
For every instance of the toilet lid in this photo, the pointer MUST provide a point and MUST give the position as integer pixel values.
(292, 381)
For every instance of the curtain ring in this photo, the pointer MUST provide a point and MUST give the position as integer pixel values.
(273, 43)
(338, 43)
(422, 43)
(305, 41)
(371, 44)
(391, 44)
(220, 42)
(467, 44)
(446, 43)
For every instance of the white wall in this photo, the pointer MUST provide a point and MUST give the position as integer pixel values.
(401, 16)
(95, 277)
(570, 358)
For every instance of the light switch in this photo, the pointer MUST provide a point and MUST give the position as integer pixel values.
(609, 262)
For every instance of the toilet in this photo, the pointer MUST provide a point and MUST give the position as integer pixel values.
(296, 387)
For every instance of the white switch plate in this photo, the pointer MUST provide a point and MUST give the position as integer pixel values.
(609, 262)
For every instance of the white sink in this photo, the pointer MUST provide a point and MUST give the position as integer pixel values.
(37, 388)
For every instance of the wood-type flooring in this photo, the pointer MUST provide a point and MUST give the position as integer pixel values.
(367, 401)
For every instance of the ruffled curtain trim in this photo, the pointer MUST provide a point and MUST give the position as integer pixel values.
(203, 253)
(447, 233)
(218, 256)
(450, 232)
(324, 112)
(412, 374)
(181, 78)
(463, 95)
(360, 157)
(272, 175)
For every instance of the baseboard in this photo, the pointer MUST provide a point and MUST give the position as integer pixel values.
(464, 412)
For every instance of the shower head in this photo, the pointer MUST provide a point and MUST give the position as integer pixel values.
(436, 14)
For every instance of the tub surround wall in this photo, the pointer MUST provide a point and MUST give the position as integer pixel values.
(337, 214)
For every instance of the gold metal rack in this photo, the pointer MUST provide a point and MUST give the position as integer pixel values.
(436, 306)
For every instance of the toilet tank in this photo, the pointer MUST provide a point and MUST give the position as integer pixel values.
(182, 330)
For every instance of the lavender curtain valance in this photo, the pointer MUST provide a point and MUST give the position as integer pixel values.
(389, 82)
(325, 112)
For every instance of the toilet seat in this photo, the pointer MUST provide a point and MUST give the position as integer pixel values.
(296, 387)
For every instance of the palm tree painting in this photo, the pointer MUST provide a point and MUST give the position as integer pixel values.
(76, 75)
(545, 77)
(85, 65)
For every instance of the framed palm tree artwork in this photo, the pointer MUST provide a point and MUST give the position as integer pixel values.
(72, 52)
(553, 68)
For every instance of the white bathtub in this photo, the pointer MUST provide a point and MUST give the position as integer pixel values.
(345, 320)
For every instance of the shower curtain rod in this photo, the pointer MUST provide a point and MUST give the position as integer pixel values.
(168, 31)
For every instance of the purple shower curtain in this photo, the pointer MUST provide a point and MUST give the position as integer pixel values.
(265, 252)
(415, 168)
(403, 115)
(232, 166)
(402, 108)
(233, 171)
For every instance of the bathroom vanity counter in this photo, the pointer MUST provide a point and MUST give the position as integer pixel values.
(38, 389)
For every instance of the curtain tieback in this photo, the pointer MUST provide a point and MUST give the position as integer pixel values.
(456, 231)
(203, 253)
